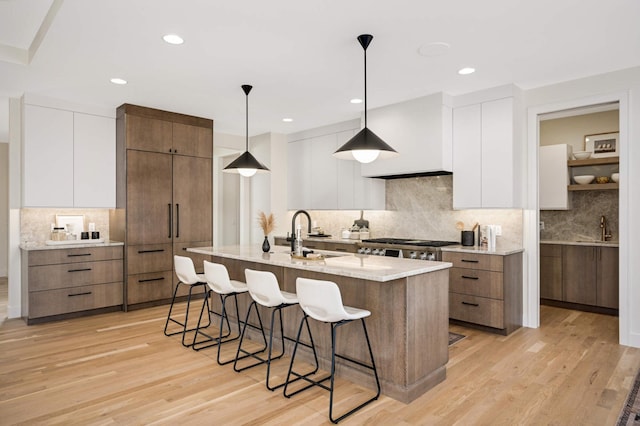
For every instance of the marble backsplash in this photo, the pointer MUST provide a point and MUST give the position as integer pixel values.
(421, 208)
(582, 221)
(35, 224)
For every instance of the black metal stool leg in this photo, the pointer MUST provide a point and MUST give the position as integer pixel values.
(242, 335)
(305, 376)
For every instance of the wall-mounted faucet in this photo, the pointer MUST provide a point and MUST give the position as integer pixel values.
(604, 234)
(293, 227)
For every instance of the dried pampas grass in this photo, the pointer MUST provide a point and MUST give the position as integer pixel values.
(267, 223)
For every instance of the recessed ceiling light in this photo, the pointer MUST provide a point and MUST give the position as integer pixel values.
(356, 101)
(173, 39)
(118, 81)
(466, 71)
(437, 48)
(287, 120)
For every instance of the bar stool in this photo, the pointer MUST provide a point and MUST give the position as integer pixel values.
(265, 291)
(218, 280)
(322, 301)
(187, 275)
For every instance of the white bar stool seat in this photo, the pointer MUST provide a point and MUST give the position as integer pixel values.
(322, 301)
(218, 281)
(265, 291)
(187, 275)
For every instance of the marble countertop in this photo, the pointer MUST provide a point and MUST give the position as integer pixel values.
(583, 243)
(501, 251)
(362, 266)
(40, 245)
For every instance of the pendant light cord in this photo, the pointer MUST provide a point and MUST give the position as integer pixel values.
(365, 87)
(247, 122)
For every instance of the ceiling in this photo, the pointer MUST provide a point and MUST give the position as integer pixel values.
(302, 57)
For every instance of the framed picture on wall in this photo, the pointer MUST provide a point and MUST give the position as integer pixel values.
(602, 144)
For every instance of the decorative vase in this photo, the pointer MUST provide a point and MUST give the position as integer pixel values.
(265, 245)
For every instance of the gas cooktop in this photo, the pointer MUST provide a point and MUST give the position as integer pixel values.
(407, 242)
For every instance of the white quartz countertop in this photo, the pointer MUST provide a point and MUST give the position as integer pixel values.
(43, 246)
(501, 251)
(583, 243)
(331, 239)
(362, 266)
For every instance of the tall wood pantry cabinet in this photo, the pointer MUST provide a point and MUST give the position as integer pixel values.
(163, 197)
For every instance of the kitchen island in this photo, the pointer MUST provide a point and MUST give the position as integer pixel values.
(408, 300)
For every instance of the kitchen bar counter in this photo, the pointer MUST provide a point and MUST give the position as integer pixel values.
(408, 300)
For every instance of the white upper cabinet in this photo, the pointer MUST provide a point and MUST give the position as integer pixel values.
(486, 155)
(554, 177)
(419, 129)
(319, 181)
(68, 158)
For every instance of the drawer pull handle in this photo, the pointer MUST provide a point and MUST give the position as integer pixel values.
(78, 255)
(151, 279)
(469, 261)
(79, 270)
(150, 251)
(470, 304)
(470, 278)
(79, 294)
(340, 249)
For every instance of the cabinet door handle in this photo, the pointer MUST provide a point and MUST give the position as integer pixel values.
(170, 219)
(79, 270)
(150, 251)
(469, 278)
(470, 304)
(79, 254)
(177, 220)
(151, 279)
(79, 294)
(468, 261)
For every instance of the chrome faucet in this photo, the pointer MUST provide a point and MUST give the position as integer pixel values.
(605, 235)
(293, 227)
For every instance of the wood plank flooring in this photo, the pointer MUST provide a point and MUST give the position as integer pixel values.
(120, 368)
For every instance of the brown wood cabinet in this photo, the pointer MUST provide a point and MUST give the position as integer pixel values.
(164, 196)
(59, 283)
(580, 276)
(486, 289)
(348, 247)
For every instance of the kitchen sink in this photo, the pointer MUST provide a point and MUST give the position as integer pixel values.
(597, 242)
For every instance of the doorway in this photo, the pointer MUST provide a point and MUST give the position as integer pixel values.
(571, 276)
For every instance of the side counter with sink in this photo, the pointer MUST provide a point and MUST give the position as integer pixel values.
(580, 275)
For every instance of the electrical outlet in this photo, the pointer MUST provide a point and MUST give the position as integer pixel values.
(541, 225)
(498, 229)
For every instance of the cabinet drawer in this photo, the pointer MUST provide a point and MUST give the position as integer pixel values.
(62, 301)
(551, 250)
(476, 282)
(51, 277)
(56, 256)
(149, 287)
(487, 262)
(149, 258)
(477, 310)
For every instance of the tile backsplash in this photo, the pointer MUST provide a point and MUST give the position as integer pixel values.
(582, 221)
(35, 223)
(421, 208)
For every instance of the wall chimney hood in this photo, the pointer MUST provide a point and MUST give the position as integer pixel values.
(419, 128)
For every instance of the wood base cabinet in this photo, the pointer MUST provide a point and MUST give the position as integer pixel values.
(164, 197)
(486, 290)
(60, 283)
(579, 276)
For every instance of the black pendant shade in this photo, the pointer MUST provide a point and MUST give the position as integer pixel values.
(365, 146)
(246, 164)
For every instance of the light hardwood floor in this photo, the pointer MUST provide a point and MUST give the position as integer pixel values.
(120, 368)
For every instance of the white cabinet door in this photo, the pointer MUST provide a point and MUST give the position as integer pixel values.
(298, 175)
(323, 173)
(498, 154)
(94, 161)
(553, 177)
(47, 157)
(467, 157)
(484, 156)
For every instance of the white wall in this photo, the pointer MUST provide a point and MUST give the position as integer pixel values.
(622, 86)
(15, 202)
(4, 206)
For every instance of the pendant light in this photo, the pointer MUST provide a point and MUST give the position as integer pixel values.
(365, 146)
(246, 164)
